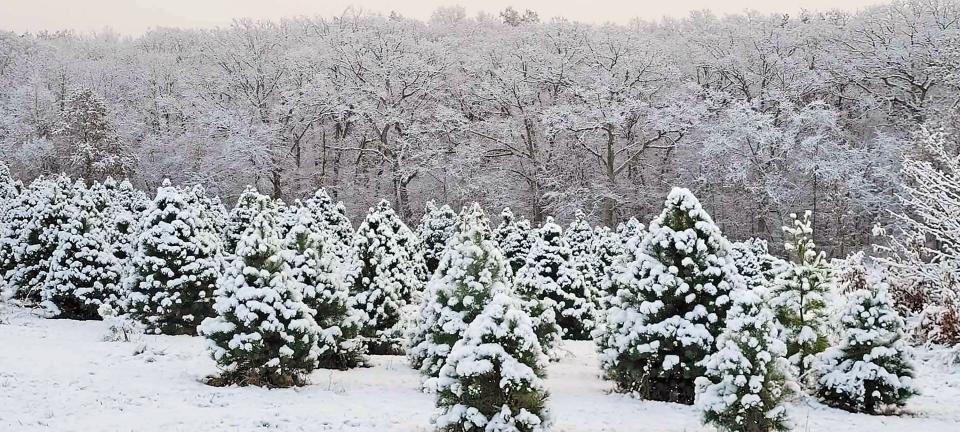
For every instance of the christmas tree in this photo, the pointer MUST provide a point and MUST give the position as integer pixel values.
(15, 213)
(799, 295)
(493, 377)
(553, 290)
(175, 265)
(240, 217)
(38, 234)
(871, 369)
(264, 334)
(84, 272)
(313, 264)
(332, 217)
(670, 305)
(470, 271)
(746, 380)
(609, 252)
(438, 225)
(514, 235)
(391, 273)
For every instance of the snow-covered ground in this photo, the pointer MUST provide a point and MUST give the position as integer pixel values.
(58, 375)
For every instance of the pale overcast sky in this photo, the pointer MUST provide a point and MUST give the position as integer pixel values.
(135, 16)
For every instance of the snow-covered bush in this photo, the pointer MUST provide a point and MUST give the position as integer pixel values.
(312, 258)
(175, 265)
(84, 271)
(471, 271)
(515, 236)
(493, 377)
(121, 327)
(438, 225)
(670, 304)
(746, 380)
(799, 295)
(391, 274)
(42, 214)
(872, 367)
(263, 334)
(552, 289)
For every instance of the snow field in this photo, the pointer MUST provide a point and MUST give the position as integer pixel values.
(59, 375)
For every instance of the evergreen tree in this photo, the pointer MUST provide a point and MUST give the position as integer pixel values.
(437, 226)
(746, 380)
(9, 187)
(871, 368)
(609, 251)
(15, 205)
(212, 210)
(553, 291)
(514, 235)
(579, 234)
(313, 264)
(43, 213)
(472, 268)
(670, 305)
(632, 232)
(799, 295)
(332, 217)
(84, 273)
(586, 261)
(391, 274)
(175, 265)
(240, 218)
(493, 377)
(263, 334)
(763, 266)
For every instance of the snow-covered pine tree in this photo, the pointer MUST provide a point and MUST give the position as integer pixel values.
(579, 234)
(552, 289)
(174, 268)
(493, 377)
(610, 251)
(746, 381)
(515, 236)
(632, 232)
(9, 187)
(14, 214)
(798, 295)
(332, 216)
(38, 237)
(126, 207)
(212, 210)
(471, 270)
(438, 225)
(240, 218)
(263, 334)
(582, 240)
(670, 305)
(313, 264)
(872, 367)
(84, 273)
(391, 274)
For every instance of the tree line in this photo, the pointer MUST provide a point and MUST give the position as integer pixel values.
(763, 114)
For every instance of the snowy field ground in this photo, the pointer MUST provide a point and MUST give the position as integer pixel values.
(58, 375)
